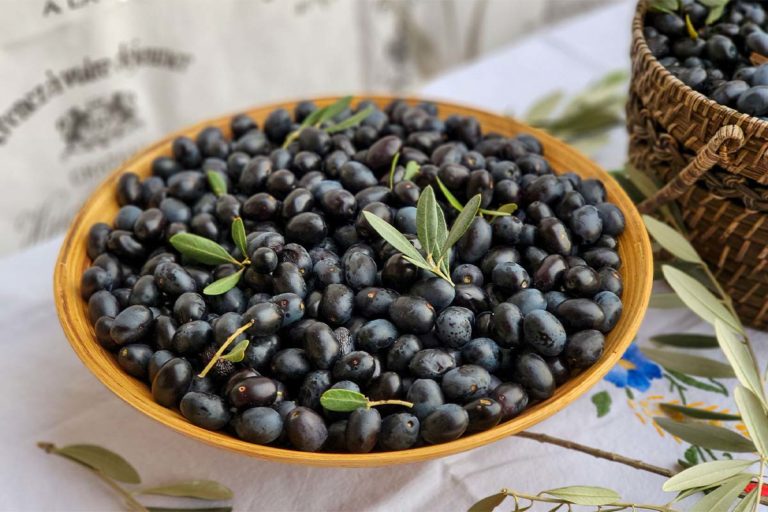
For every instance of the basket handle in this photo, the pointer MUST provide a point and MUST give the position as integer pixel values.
(726, 140)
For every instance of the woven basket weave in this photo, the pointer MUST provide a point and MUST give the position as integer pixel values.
(713, 161)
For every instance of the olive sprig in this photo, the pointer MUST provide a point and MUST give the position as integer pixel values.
(325, 114)
(235, 355)
(505, 209)
(432, 233)
(412, 168)
(346, 400)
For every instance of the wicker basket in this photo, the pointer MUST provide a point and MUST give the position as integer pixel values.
(713, 161)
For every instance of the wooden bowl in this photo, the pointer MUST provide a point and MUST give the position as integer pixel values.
(636, 272)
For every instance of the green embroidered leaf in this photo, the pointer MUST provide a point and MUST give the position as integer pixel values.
(691, 455)
(237, 354)
(699, 414)
(706, 474)
(602, 401)
(462, 223)
(698, 298)
(689, 364)
(665, 300)
(351, 121)
(201, 249)
(542, 109)
(343, 400)
(585, 495)
(224, 284)
(449, 196)
(217, 183)
(394, 237)
(199, 489)
(707, 436)
(754, 416)
(488, 503)
(239, 236)
(412, 169)
(722, 497)
(671, 240)
(101, 459)
(392, 170)
(739, 355)
(690, 381)
(685, 340)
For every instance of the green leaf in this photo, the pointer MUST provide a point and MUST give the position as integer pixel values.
(462, 223)
(590, 144)
(394, 237)
(716, 9)
(707, 436)
(421, 264)
(689, 364)
(200, 489)
(722, 497)
(585, 495)
(698, 298)
(671, 240)
(642, 181)
(754, 417)
(665, 300)
(602, 401)
(685, 340)
(699, 414)
(412, 169)
(201, 249)
(737, 352)
(237, 353)
(332, 110)
(748, 502)
(670, 6)
(706, 474)
(507, 208)
(343, 400)
(488, 503)
(543, 107)
(105, 461)
(239, 236)
(351, 121)
(449, 196)
(392, 170)
(176, 509)
(427, 224)
(224, 284)
(217, 183)
(690, 381)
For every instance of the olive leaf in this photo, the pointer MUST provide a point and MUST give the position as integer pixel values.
(754, 416)
(748, 502)
(217, 183)
(394, 237)
(462, 223)
(706, 474)
(102, 460)
(685, 340)
(237, 354)
(689, 364)
(585, 495)
(328, 113)
(392, 169)
(707, 436)
(239, 236)
(671, 240)
(722, 497)
(665, 300)
(488, 503)
(696, 296)
(224, 284)
(669, 6)
(201, 249)
(412, 169)
(351, 121)
(699, 414)
(199, 489)
(716, 9)
(431, 228)
(738, 353)
(449, 196)
(343, 400)
(544, 107)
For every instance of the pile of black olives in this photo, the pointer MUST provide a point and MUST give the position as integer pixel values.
(716, 60)
(334, 306)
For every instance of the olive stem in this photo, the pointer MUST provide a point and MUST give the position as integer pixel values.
(132, 503)
(542, 499)
(388, 402)
(223, 347)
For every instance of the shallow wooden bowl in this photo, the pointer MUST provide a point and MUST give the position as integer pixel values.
(636, 272)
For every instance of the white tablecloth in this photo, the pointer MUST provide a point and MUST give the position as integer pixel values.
(48, 395)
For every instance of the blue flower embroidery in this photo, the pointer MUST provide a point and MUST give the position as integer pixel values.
(634, 371)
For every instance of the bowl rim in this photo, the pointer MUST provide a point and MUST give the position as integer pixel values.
(72, 315)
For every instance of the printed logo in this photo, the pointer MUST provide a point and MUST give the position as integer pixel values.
(98, 122)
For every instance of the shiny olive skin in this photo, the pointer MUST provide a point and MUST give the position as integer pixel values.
(484, 413)
(376, 335)
(399, 431)
(189, 306)
(584, 348)
(336, 304)
(357, 366)
(173, 279)
(192, 336)
(586, 224)
(314, 385)
(544, 332)
(554, 236)
(321, 345)
(610, 280)
(102, 303)
(291, 364)
(528, 300)
(260, 351)
(363, 428)
(471, 297)
(581, 281)
(467, 273)
(387, 386)
(172, 382)
(373, 302)
(507, 325)
(495, 256)
(612, 307)
(476, 241)
(359, 270)
(454, 326)
(436, 291)
(580, 314)
(446, 423)
(205, 410)
(93, 280)
(426, 396)
(156, 361)
(414, 315)
(512, 397)
(465, 383)
(402, 351)
(306, 228)
(550, 273)
(260, 425)
(131, 325)
(267, 318)
(431, 363)
(253, 392)
(134, 359)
